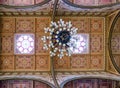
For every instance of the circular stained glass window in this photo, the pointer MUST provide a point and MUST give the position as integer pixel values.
(24, 43)
(81, 42)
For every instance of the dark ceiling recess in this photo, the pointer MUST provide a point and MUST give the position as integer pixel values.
(111, 52)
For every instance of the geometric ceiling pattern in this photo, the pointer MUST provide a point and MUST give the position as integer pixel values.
(23, 44)
(39, 61)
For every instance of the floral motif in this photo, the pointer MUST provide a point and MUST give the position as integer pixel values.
(97, 61)
(25, 25)
(42, 62)
(6, 44)
(96, 43)
(80, 62)
(25, 63)
(7, 25)
(7, 63)
(97, 25)
(41, 23)
(63, 63)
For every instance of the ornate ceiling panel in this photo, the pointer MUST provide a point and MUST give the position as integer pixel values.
(64, 7)
(23, 34)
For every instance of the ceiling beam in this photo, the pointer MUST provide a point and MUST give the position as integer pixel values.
(52, 58)
(54, 9)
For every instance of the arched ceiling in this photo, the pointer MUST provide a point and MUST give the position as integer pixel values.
(21, 2)
(95, 3)
(69, 7)
(82, 3)
(26, 6)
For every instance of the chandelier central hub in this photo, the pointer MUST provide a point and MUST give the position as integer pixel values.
(64, 37)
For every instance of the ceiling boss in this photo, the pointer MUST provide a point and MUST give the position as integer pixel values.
(60, 38)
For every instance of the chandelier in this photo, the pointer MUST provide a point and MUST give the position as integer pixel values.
(59, 38)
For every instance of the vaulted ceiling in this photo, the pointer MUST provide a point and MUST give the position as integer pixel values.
(63, 7)
(94, 17)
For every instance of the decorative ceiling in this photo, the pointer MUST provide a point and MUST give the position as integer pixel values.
(96, 3)
(86, 3)
(64, 7)
(114, 43)
(26, 6)
(20, 2)
(31, 17)
(72, 8)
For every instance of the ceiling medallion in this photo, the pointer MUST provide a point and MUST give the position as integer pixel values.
(59, 35)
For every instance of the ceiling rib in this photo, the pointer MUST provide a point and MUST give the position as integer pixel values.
(54, 9)
(52, 59)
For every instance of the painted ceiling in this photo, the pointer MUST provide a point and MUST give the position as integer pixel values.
(78, 2)
(63, 6)
(20, 2)
(93, 2)
(37, 66)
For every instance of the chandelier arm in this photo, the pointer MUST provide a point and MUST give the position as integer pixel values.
(54, 9)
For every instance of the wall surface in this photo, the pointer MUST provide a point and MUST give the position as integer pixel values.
(22, 84)
(91, 83)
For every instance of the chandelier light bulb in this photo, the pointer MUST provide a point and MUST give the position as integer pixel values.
(60, 29)
(56, 36)
(64, 45)
(57, 40)
(57, 32)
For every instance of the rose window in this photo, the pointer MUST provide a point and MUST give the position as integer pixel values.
(24, 43)
(81, 42)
